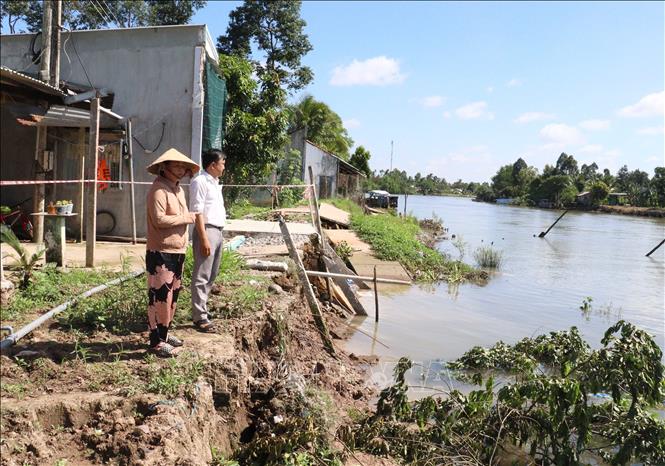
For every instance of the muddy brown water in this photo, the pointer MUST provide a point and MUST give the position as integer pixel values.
(539, 288)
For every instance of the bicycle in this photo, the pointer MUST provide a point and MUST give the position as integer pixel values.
(17, 220)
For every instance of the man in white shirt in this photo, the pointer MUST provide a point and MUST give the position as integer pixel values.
(205, 196)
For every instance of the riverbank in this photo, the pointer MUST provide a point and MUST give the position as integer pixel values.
(637, 211)
(84, 389)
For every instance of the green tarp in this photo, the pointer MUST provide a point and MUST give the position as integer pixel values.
(214, 108)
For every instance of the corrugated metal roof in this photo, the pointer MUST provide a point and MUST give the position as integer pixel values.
(343, 162)
(30, 81)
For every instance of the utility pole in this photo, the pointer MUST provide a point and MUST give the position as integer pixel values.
(391, 155)
(39, 191)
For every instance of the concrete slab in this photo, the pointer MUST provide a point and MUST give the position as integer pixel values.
(326, 211)
(363, 259)
(364, 263)
(249, 227)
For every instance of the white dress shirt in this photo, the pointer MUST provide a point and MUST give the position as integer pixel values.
(205, 196)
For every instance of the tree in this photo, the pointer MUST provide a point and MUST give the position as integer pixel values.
(276, 30)
(518, 166)
(635, 184)
(255, 131)
(360, 160)
(13, 10)
(558, 189)
(324, 127)
(502, 182)
(599, 192)
(82, 14)
(658, 186)
(567, 165)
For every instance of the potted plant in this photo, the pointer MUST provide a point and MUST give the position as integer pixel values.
(64, 207)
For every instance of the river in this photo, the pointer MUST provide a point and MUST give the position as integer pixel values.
(539, 288)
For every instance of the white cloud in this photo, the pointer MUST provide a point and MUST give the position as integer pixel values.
(446, 115)
(469, 163)
(474, 111)
(377, 71)
(649, 105)
(591, 149)
(559, 133)
(652, 131)
(528, 117)
(655, 159)
(351, 123)
(432, 101)
(595, 125)
(514, 82)
(490, 89)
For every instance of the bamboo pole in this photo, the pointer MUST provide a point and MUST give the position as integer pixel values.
(132, 198)
(81, 187)
(654, 249)
(543, 233)
(357, 278)
(376, 299)
(307, 288)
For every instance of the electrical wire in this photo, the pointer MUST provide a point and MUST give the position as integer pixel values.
(81, 62)
(149, 151)
(112, 13)
(101, 13)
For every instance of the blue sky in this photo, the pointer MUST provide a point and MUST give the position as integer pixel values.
(462, 88)
(465, 87)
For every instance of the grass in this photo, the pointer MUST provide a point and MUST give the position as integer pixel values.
(396, 239)
(176, 377)
(243, 208)
(488, 257)
(49, 287)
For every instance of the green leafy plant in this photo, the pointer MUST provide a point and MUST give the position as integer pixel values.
(26, 262)
(344, 250)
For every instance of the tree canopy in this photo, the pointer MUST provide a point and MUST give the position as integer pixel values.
(276, 30)
(80, 14)
(324, 126)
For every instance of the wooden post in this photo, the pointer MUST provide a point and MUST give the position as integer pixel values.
(654, 249)
(91, 187)
(316, 204)
(376, 299)
(39, 191)
(81, 186)
(132, 198)
(307, 288)
(406, 196)
(543, 233)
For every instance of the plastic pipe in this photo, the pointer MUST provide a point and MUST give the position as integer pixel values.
(14, 337)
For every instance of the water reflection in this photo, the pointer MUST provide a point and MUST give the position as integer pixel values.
(540, 287)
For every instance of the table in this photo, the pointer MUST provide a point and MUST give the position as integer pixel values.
(54, 236)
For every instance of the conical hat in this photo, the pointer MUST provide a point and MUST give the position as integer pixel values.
(172, 155)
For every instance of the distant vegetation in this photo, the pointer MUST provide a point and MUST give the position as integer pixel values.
(557, 185)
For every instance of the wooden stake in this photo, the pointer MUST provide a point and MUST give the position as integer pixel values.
(307, 288)
(376, 299)
(39, 191)
(543, 233)
(91, 188)
(81, 187)
(654, 249)
(356, 278)
(132, 198)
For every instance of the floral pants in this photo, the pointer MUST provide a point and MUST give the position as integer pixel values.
(164, 283)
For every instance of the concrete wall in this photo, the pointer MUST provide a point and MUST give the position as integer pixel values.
(323, 164)
(152, 73)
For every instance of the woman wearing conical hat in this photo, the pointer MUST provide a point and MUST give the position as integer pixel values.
(167, 239)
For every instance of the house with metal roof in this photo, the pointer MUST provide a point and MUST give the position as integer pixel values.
(162, 82)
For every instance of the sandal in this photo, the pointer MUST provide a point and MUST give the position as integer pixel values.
(205, 326)
(174, 341)
(164, 350)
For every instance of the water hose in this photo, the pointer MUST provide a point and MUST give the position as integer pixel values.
(14, 337)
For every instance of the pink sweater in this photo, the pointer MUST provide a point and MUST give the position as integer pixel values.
(168, 217)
